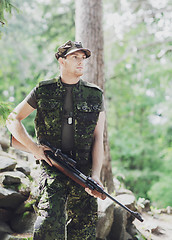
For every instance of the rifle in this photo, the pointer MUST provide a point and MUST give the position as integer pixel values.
(68, 167)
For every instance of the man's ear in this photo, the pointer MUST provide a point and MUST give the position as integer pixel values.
(61, 60)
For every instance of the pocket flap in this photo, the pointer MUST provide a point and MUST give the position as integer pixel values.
(51, 104)
(86, 107)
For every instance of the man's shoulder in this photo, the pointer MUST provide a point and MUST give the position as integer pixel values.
(47, 82)
(91, 85)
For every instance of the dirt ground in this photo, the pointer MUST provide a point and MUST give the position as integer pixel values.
(156, 227)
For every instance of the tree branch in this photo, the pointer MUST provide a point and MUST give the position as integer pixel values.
(164, 52)
(141, 48)
(2, 22)
(152, 44)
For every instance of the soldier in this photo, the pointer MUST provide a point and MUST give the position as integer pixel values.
(70, 115)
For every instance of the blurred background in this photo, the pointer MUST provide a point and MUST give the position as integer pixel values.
(138, 80)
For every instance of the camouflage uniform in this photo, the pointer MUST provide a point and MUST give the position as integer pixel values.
(66, 211)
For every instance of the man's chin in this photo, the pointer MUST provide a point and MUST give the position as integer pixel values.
(79, 74)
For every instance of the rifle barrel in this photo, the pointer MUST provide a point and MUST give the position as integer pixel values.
(135, 214)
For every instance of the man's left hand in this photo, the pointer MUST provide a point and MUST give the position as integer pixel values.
(94, 193)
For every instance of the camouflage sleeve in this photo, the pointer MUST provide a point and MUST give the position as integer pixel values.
(31, 98)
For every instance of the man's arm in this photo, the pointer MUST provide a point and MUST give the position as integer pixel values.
(17, 129)
(98, 150)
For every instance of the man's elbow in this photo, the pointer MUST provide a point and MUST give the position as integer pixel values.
(11, 119)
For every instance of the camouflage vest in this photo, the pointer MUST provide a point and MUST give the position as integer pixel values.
(87, 103)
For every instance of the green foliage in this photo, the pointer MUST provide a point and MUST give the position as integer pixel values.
(160, 193)
(139, 236)
(138, 80)
(138, 181)
(28, 47)
(5, 109)
(29, 204)
(138, 95)
(59, 16)
(5, 6)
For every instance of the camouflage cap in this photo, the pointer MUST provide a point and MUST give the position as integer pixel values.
(70, 47)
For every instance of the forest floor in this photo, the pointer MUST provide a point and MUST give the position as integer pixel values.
(156, 227)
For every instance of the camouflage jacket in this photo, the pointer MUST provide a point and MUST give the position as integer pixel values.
(87, 103)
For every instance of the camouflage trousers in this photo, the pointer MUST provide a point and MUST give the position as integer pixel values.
(65, 210)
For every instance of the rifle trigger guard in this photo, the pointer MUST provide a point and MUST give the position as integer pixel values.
(56, 152)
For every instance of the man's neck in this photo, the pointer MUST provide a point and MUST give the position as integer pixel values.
(69, 79)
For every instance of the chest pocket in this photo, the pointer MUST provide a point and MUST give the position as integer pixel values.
(49, 105)
(88, 112)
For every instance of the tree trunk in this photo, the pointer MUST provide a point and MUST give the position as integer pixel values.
(89, 31)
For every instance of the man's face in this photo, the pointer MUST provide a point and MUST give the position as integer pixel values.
(74, 63)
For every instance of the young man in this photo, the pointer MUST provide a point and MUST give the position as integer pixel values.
(70, 115)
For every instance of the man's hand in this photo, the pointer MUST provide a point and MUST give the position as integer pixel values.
(94, 193)
(39, 154)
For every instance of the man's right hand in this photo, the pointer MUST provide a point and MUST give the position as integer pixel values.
(39, 154)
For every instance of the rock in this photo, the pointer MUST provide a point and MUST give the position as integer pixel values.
(35, 174)
(9, 178)
(131, 229)
(105, 217)
(4, 236)
(17, 181)
(147, 207)
(21, 166)
(123, 191)
(6, 154)
(128, 200)
(118, 229)
(5, 214)
(24, 188)
(117, 183)
(23, 222)
(19, 154)
(7, 164)
(26, 206)
(4, 142)
(4, 227)
(143, 205)
(158, 230)
(10, 198)
(167, 210)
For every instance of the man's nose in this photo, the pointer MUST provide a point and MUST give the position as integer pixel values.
(80, 61)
